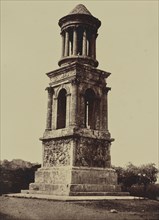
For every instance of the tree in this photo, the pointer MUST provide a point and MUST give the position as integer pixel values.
(148, 171)
(141, 175)
(16, 175)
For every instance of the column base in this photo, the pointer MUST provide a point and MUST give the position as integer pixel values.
(75, 181)
(79, 58)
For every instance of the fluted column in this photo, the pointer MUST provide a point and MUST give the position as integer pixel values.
(54, 114)
(87, 115)
(84, 45)
(75, 42)
(74, 102)
(82, 110)
(105, 109)
(89, 47)
(93, 46)
(49, 109)
(63, 43)
(97, 112)
(68, 97)
(66, 43)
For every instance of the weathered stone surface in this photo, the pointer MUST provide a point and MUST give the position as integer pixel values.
(80, 9)
(60, 189)
(90, 175)
(76, 151)
(92, 152)
(56, 175)
(57, 152)
(76, 142)
(66, 180)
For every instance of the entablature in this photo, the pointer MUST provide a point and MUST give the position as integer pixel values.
(77, 132)
(84, 73)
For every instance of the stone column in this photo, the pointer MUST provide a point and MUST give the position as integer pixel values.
(66, 43)
(89, 48)
(84, 46)
(74, 102)
(75, 42)
(87, 115)
(105, 108)
(98, 112)
(68, 97)
(82, 111)
(54, 115)
(93, 46)
(63, 43)
(49, 109)
(104, 113)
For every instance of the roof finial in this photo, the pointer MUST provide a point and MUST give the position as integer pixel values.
(80, 9)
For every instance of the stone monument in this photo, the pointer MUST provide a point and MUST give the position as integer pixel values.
(76, 142)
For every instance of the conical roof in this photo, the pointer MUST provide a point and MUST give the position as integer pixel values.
(80, 9)
(80, 16)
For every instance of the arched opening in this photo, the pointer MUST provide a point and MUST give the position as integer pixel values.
(90, 109)
(61, 109)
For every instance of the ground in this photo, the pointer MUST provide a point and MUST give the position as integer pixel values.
(33, 209)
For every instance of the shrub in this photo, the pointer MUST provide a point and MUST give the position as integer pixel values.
(151, 191)
(16, 175)
(131, 175)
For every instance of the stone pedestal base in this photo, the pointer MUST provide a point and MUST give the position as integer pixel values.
(75, 181)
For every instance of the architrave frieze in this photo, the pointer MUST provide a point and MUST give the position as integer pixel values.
(80, 71)
(77, 132)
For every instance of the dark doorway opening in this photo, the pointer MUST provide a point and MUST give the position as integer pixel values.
(61, 109)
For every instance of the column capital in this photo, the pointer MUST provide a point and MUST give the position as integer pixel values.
(106, 90)
(75, 81)
(62, 33)
(50, 90)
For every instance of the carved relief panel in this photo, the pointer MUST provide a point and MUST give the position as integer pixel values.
(57, 152)
(91, 152)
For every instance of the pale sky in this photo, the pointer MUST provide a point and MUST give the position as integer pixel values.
(127, 46)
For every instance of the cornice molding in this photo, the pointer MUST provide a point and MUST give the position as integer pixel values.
(77, 66)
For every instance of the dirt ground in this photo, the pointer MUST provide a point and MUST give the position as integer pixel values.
(33, 209)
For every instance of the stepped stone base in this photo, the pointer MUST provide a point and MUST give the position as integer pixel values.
(73, 181)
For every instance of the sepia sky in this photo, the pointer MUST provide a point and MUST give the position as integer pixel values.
(127, 46)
